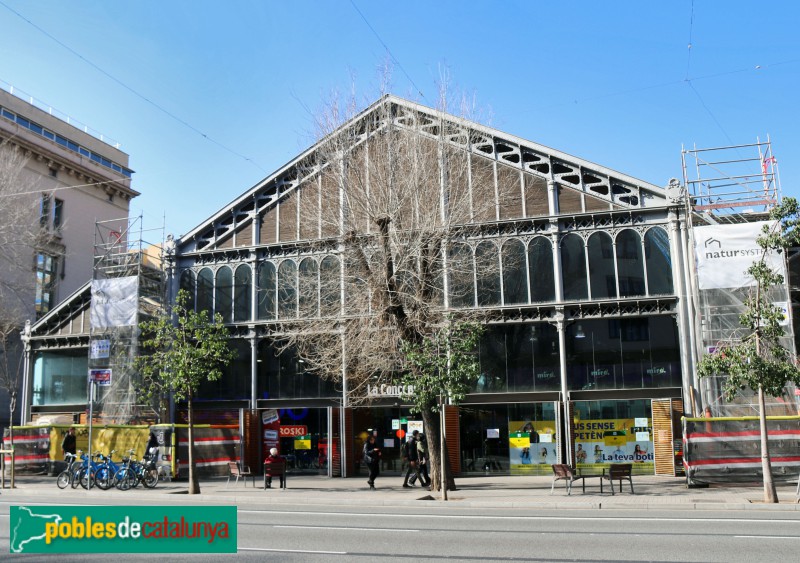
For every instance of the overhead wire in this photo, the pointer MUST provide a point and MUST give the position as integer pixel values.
(134, 91)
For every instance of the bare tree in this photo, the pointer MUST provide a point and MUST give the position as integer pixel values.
(398, 197)
(19, 235)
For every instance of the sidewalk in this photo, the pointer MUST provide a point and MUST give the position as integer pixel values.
(657, 493)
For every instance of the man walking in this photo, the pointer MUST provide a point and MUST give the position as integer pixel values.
(68, 445)
(411, 455)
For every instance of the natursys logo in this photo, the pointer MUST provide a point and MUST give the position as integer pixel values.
(122, 529)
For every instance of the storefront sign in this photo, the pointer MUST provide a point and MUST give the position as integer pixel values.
(530, 446)
(415, 425)
(395, 423)
(99, 349)
(492, 432)
(605, 441)
(384, 390)
(290, 431)
(302, 444)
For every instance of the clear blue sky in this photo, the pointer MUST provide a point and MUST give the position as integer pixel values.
(605, 81)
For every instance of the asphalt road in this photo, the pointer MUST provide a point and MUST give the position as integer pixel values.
(430, 533)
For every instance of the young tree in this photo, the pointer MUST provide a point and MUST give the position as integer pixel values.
(396, 202)
(759, 360)
(441, 369)
(182, 348)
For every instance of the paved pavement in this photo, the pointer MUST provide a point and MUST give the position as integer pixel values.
(651, 492)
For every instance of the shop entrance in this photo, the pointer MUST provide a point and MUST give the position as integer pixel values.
(389, 425)
(301, 436)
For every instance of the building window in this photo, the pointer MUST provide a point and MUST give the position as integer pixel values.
(58, 213)
(46, 267)
(44, 210)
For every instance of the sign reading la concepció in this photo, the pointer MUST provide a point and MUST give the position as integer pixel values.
(125, 529)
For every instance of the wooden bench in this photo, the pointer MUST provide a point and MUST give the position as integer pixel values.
(617, 472)
(274, 469)
(235, 471)
(563, 472)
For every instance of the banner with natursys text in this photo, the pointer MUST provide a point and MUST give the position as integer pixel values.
(122, 529)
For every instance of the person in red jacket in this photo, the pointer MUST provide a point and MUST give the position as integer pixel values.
(274, 466)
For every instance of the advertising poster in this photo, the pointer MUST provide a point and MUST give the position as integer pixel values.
(532, 447)
(599, 443)
(270, 427)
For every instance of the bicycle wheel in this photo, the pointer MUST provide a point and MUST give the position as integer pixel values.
(75, 478)
(103, 478)
(63, 479)
(125, 479)
(150, 478)
(86, 478)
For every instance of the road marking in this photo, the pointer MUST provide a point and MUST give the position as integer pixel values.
(770, 537)
(396, 515)
(292, 550)
(343, 528)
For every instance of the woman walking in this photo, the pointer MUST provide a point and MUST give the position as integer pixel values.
(372, 459)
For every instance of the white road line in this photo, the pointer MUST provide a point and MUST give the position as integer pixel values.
(291, 550)
(396, 515)
(343, 528)
(770, 537)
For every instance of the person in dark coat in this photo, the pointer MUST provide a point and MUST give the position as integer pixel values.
(372, 459)
(68, 445)
(412, 457)
(422, 462)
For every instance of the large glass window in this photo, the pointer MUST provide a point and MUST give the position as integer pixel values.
(242, 292)
(487, 270)
(519, 357)
(633, 353)
(540, 270)
(235, 381)
(59, 378)
(205, 290)
(330, 286)
(573, 268)
(188, 284)
(515, 282)
(287, 290)
(601, 266)
(658, 261)
(223, 294)
(267, 280)
(282, 375)
(630, 264)
(46, 267)
(462, 284)
(309, 288)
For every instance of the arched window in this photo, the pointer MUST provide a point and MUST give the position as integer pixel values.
(540, 270)
(309, 288)
(242, 292)
(573, 268)
(602, 278)
(658, 261)
(487, 270)
(515, 282)
(188, 285)
(462, 281)
(205, 290)
(629, 264)
(223, 294)
(266, 291)
(330, 286)
(287, 290)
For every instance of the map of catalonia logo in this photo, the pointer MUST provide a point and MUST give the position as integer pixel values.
(122, 529)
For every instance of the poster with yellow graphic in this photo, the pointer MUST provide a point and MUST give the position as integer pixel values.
(599, 443)
(532, 447)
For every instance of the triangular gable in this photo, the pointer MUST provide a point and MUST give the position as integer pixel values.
(68, 318)
(583, 186)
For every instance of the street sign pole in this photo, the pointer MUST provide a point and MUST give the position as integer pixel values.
(91, 416)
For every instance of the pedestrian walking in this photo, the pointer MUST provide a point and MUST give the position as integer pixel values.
(372, 459)
(424, 461)
(68, 445)
(411, 455)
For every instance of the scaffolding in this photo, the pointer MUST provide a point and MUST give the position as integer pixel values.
(122, 250)
(733, 185)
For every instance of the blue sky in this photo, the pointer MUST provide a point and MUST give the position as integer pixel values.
(605, 81)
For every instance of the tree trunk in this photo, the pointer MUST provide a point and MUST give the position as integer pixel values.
(770, 494)
(194, 483)
(433, 430)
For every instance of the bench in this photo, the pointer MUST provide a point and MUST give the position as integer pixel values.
(274, 468)
(617, 472)
(563, 472)
(235, 471)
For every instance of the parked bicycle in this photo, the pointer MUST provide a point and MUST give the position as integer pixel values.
(69, 475)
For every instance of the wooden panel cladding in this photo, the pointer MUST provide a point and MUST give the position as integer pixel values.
(662, 437)
(569, 201)
(536, 203)
(252, 439)
(226, 242)
(353, 456)
(596, 204)
(452, 431)
(269, 225)
(509, 190)
(335, 441)
(287, 217)
(308, 195)
(483, 200)
(244, 235)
